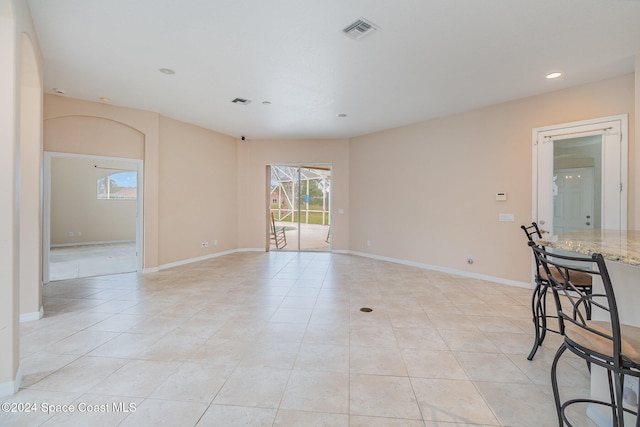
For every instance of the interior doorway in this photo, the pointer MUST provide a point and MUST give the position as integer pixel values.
(580, 176)
(93, 213)
(299, 207)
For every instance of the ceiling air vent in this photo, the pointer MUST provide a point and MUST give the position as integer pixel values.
(241, 101)
(359, 29)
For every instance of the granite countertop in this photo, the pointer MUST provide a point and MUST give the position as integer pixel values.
(616, 245)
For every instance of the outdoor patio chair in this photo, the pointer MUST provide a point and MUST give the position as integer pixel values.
(278, 234)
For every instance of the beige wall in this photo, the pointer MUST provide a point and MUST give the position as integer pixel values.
(426, 192)
(634, 152)
(198, 192)
(76, 209)
(98, 136)
(31, 161)
(253, 158)
(20, 133)
(422, 193)
(209, 186)
(9, 249)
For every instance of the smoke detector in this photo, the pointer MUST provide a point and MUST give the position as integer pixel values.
(241, 101)
(359, 29)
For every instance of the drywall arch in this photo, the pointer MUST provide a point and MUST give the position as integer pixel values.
(93, 135)
(20, 130)
(30, 182)
(97, 138)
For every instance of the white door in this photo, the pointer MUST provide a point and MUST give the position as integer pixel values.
(610, 180)
(573, 200)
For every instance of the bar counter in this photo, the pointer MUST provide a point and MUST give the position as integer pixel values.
(614, 245)
(621, 251)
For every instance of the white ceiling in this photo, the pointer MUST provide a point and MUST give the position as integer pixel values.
(429, 58)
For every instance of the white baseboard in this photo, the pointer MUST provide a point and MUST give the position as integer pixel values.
(28, 317)
(8, 388)
(446, 270)
(362, 254)
(106, 242)
(197, 259)
(192, 260)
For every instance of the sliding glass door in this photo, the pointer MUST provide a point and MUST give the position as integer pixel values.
(300, 207)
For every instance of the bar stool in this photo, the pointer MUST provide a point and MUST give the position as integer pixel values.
(606, 343)
(539, 297)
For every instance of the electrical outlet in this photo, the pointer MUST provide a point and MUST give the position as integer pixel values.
(368, 242)
(205, 244)
(215, 242)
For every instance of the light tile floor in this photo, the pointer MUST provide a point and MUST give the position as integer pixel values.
(278, 339)
(71, 262)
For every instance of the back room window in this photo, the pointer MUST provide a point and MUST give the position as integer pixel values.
(118, 186)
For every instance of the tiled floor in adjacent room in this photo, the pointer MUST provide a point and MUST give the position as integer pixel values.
(278, 339)
(72, 262)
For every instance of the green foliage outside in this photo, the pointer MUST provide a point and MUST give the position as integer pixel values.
(315, 204)
(106, 185)
(314, 217)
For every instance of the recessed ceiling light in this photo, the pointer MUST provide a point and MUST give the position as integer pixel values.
(57, 91)
(554, 75)
(342, 115)
(266, 102)
(104, 99)
(166, 71)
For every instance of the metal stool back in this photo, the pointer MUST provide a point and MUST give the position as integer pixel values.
(605, 343)
(539, 296)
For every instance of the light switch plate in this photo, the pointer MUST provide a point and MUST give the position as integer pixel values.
(506, 217)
